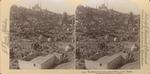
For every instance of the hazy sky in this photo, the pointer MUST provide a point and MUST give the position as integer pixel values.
(69, 6)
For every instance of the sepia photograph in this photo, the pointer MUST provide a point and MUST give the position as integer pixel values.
(108, 35)
(93, 34)
(42, 35)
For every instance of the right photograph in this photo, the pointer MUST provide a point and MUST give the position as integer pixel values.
(107, 35)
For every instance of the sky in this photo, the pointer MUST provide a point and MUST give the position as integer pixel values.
(69, 6)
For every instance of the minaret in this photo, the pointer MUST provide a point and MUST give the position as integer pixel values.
(104, 2)
(107, 3)
(39, 3)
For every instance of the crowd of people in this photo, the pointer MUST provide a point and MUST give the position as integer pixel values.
(37, 32)
(102, 31)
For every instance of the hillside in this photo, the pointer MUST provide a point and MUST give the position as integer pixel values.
(103, 32)
(29, 23)
(37, 32)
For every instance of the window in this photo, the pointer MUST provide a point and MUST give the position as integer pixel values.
(34, 65)
(100, 64)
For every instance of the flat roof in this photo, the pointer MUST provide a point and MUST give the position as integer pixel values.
(42, 59)
(91, 64)
(103, 59)
(107, 59)
(68, 65)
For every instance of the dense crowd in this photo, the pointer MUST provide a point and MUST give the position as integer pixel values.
(102, 32)
(38, 32)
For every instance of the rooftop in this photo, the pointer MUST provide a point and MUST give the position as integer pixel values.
(103, 59)
(107, 59)
(42, 59)
(68, 65)
(91, 64)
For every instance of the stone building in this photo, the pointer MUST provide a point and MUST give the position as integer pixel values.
(41, 62)
(107, 62)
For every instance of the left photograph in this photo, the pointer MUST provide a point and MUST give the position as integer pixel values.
(42, 35)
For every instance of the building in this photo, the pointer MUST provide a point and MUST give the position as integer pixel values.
(37, 7)
(91, 65)
(103, 7)
(41, 62)
(68, 65)
(59, 58)
(67, 47)
(130, 46)
(107, 62)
